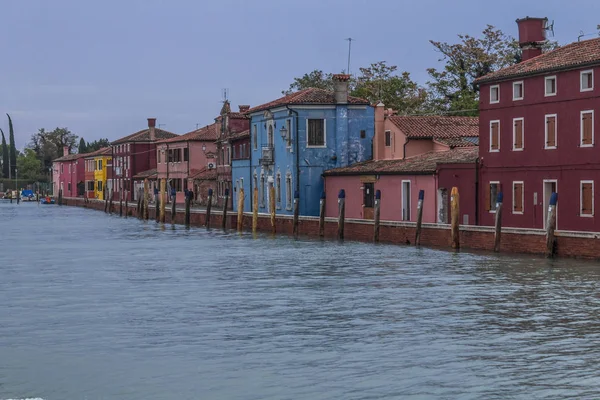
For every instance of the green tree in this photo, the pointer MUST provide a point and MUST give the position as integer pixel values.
(316, 79)
(13, 148)
(29, 165)
(5, 156)
(97, 145)
(82, 146)
(48, 145)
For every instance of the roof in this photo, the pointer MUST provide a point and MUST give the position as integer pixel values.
(207, 133)
(71, 157)
(419, 165)
(459, 142)
(100, 152)
(436, 127)
(574, 55)
(144, 136)
(239, 135)
(204, 174)
(151, 173)
(306, 96)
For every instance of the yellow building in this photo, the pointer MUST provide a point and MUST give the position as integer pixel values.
(102, 163)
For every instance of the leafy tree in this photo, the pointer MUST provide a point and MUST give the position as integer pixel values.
(48, 145)
(5, 156)
(316, 79)
(82, 146)
(97, 145)
(13, 148)
(29, 165)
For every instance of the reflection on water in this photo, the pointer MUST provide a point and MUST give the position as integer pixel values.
(99, 307)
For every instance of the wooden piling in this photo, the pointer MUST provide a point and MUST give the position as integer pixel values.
(188, 200)
(145, 200)
(110, 202)
(455, 212)
(208, 207)
(157, 200)
(105, 194)
(224, 220)
(126, 208)
(551, 225)
(498, 230)
(139, 205)
(240, 215)
(163, 199)
(173, 209)
(419, 217)
(341, 213)
(377, 215)
(60, 195)
(322, 215)
(121, 204)
(296, 212)
(255, 210)
(272, 207)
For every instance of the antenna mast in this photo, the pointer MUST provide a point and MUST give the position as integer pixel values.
(224, 94)
(349, 50)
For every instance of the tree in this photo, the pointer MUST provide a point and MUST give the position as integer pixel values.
(316, 79)
(5, 156)
(82, 146)
(29, 165)
(13, 148)
(97, 145)
(48, 145)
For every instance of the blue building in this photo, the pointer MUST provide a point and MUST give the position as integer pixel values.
(295, 138)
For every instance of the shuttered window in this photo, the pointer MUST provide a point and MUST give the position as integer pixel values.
(491, 195)
(495, 136)
(517, 197)
(550, 131)
(587, 128)
(316, 132)
(518, 134)
(587, 198)
(587, 80)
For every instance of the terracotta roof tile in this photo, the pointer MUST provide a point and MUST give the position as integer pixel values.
(151, 173)
(204, 174)
(436, 127)
(422, 164)
(71, 157)
(100, 152)
(144, 136)
(207, 133)
(239, 135)
(574, 55)
(306, 96)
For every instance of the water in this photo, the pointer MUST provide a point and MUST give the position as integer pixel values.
(100, 307)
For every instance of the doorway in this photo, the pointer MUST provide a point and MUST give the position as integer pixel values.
(405, 200)
(550, 185)
(368, 200)
(442, 206)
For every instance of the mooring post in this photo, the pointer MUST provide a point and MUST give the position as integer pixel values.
(157, 201)
(498, 231)
(272, 207)
(145, 200)
(224, 221)
(419, 217)
(551, 225)
(139, 205)
(105, 193)
(188, 200)
(322, 215)
(163, 200)
(208, 207)
(455, 212)
(296, 212)
(121, 203)
(377, 214)
(110, 202)
(60, 197)
(341, 213)
(173, 210)
(255, 210)
(240, 215)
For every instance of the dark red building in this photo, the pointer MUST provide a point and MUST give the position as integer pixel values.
(537, 124)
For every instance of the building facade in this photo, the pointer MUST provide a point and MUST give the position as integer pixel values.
(68, 174)
(538, 121)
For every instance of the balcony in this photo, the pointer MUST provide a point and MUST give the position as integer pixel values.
(268, 156)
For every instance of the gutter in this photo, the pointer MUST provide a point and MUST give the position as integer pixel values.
(535, 73)
(297, 140)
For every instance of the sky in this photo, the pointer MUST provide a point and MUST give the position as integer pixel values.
(101, 68)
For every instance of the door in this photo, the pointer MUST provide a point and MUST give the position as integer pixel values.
(550, 186)
(368, 200)
(405, 200)
(442, 206)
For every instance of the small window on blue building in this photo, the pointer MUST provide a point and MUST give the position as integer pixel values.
(316, 132)
(262, 190)
(255, 137)
(363, 134)
(288, 191)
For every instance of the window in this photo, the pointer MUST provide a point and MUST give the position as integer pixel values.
(99, 165)
(518, 90)
(316, 132)
(69, 170)
(368, 195)
(262, 190)
(517, 198)
(270, 137)
(288, 126)
(254, 137)
(243, 151)
(69, 187)
(228, 155)
(494, 94)
(550, 84)
(288, 191)
(550, 131)
(363, 133)
(587, 128)
(158, 156)
(492, 196)
(388, 138)
(406, 197)
(177, 184)
(186, 154)
(90, 186)
(278, 188)
(587, 80)
(494, 136)
(518, 134)
(99, 186)
(587, 199)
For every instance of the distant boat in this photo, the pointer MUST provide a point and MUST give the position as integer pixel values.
(27, 195)
(47, 200)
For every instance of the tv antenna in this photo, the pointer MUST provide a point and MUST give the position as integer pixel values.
(550, 27)
(349, 51)
(159, 125)
(225, 94)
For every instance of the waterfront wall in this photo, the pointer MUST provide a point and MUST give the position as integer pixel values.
(514, 240)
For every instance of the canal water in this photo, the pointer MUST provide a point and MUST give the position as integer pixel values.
(100, 307)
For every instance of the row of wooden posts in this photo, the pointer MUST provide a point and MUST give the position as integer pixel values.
(142, 212)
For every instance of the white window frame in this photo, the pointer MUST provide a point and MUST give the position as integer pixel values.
(497, 87)
(254, 137)
(522, 90)
(324, 134)
(515, 134)
(522, 197)
(546, 131)
(493, 201)
(289, 191)
(408, 198)
(546, 79)
(581, 128)
(491, 123)
(581, 88)
(581, 199)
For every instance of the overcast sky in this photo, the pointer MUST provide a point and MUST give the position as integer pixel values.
(101, 68)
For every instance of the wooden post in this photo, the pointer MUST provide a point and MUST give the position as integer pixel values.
(188, 200)
(121, 203)
(419, 217)
(341, 213)
(296, 212)
(126, 203)
(110, 202)
(272, 207)
(173, 209)
(322, 215)
(455, 212)
(157, 201)
(377, 215)
(163, 199)
(551, 225)
(60, 194)
(208, 207)
(224, 221)
(255, 210)
(105, 193)
(139, 204)
(498, 231)
(145, 200)
(240, 216)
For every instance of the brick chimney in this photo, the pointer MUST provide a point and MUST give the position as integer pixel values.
(152, 128)
(65, 151)
(532, 35)
(244, 108)
(340, 87)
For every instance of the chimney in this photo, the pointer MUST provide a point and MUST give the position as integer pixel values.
(152, 128)
(340, 86)
(65, 151)
(378, 139)
(532, 35)
(244, 108)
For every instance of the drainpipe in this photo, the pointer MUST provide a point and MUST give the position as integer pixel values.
(297, 140)
(404, 148)
(477, 191)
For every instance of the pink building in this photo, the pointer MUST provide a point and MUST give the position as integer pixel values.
(68, 174)
(412, 153)
(189, 162)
